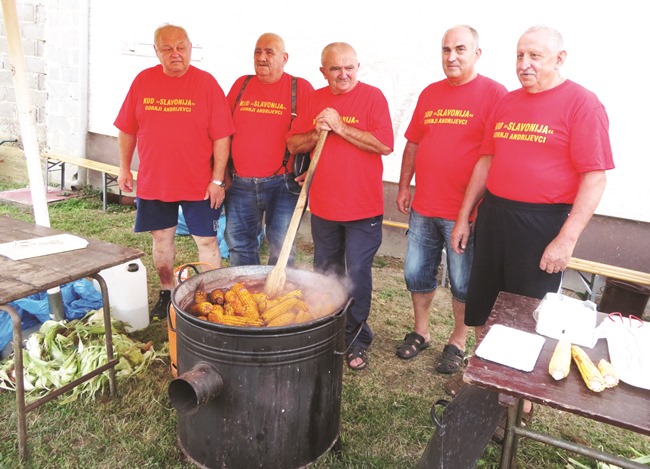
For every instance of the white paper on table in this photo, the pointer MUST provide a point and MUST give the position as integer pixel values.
(42, 246)
(628, 344)
(511, 347)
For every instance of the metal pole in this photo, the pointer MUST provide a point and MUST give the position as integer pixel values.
(25, 113)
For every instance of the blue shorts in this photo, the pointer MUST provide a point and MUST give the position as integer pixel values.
(427, 236)
(201, 220)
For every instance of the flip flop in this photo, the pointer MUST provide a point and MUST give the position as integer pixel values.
(413, 344)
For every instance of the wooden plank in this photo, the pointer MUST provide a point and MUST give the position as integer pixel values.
(610, 271)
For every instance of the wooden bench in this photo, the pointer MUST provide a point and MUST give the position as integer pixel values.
(582, 266)
(5, 140)
(57, 162)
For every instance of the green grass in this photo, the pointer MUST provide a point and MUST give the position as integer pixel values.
(385, 421)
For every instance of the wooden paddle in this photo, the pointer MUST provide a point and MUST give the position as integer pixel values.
(278, 276)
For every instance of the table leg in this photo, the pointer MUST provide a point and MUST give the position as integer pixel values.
(104, 191)
(109, 332)
(20, 384)
(511, 440)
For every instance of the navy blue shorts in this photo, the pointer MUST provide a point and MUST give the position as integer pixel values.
(201, 220)
(510, 238)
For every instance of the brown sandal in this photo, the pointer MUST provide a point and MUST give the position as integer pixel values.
(500, 432)
(453, 385)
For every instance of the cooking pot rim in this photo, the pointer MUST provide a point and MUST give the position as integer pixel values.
(256, 271)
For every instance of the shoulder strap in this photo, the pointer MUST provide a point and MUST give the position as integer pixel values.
(241, 91)
(294, 94)
(243, 86)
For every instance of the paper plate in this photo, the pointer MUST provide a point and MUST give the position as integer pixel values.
(511, 347)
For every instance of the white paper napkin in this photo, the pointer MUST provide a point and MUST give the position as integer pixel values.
(43, 246)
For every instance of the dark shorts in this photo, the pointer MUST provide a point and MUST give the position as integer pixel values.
(510, 239)
(201, 220)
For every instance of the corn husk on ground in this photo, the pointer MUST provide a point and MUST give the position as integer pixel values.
(62, 351)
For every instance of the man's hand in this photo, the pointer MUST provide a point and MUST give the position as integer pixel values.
(404, 201)
(459, 236)
(216, 194)
(301, 179)
(125, 181)
(556, 255)
(329, 120)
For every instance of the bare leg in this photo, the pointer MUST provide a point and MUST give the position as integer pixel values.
(208, 250)
(478, 331)
(421, 305)
(164, 253)
(458, 336)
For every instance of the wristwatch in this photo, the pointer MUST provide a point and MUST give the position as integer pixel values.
(218, 183)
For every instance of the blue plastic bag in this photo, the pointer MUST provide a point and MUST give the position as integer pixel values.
(181, 230)
(78, 297)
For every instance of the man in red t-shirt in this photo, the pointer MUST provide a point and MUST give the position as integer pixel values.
(178, 118)
(346, 194)
(541, 177)
(443, 141)
(263, 185)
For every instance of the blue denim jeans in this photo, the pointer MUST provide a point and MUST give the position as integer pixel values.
(427, 236)
(254, 204)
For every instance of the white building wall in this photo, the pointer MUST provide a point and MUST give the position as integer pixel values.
(398, 44)
(66, 53)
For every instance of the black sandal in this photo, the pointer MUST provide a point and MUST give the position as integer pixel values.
(413, 344)
(450, 359)
(354, 353)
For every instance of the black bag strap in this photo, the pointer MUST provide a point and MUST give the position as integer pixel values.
(243, 87)
(294, 94)
(231, 164)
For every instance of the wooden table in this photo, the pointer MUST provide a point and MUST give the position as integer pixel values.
(19, 279)
(623, 406)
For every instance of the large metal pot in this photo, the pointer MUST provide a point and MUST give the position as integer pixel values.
(258, 397)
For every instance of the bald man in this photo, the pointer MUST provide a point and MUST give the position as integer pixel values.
(263, 194)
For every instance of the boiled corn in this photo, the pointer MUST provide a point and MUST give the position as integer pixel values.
(609, 373)
(590, 374)
(560, 362)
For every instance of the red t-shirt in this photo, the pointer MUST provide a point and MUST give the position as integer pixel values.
(448, 125)
(543, 142)
(262, 118)
(347, 183)
(176, 121)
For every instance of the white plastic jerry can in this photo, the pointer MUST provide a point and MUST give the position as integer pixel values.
(127, 293)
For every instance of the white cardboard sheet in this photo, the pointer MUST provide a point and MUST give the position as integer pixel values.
(511, 347)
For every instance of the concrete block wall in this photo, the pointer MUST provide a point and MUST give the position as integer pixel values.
(31, 19)
(56, 61)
